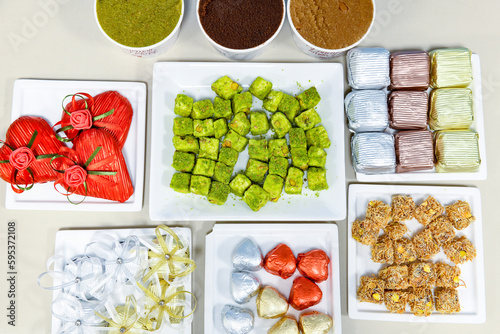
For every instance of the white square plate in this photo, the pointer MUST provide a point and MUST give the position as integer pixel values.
(477, 125)
(472, 297)
(195, 79)
(43, 98)
(71, 243)
(300, 238)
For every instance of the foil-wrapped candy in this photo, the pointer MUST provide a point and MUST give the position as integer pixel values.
(315, 323)
(457, 151)
(451, 67)
(304, 294)
(286, 325)
(236, 320)
(366, 110)
(314, 265)
(244, 286)
(410, 70)
(270, 303)
(247, 256)
(414, 151)
(280, 261)
(408, 109)
(451, 108)
(373, 153)
(368, 68)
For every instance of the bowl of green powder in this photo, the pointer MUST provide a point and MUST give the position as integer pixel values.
(142, 28)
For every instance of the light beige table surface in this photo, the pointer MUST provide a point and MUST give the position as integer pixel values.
(66, 44)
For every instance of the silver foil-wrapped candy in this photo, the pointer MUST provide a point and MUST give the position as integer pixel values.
(236, 320)
(368, 68)
(244, 286)
(247, 256)
(373, 153)
(366, 110)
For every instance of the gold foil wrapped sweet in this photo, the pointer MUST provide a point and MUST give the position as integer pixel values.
(451, 108)
(271, 304)
(315, 323)
(457, 151)
(451, 68)
(286, 325)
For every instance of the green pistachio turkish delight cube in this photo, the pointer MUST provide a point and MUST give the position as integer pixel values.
(240, 124)
(256, 170)
(186, 144)
(281, 125)
(203, 127)
(308, 119)
(278, 148)
(218, 193)
(202, 109)
(294, 181)
(220, 128)
(318, 137)
(209, 148)
(272, 100)
(183, 126)
(259, 124)
(256, 197)
(222, 173)
(240, 184)
(183, 161)
(289, 106)
(228, 156)
(316, 179)
(200, 185)
(226, 88)
(205, 167)
(297, 138)
(257, 149)
(183, 105)
(260, 88)
(299, 157)
(242, 102)
(278, 166)
(234, 140)
(309, 98)
(222, 108)
(273, 185)
(180, 182)
(317, 157)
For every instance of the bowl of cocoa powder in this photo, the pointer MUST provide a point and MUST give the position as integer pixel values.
(240, 29)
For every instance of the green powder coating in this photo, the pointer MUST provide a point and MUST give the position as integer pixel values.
(138, 23)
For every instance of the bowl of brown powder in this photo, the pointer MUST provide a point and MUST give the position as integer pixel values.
(240, 29)
(326, 29)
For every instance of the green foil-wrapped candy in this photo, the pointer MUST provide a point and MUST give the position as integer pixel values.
(457, 151)
(451, 67)
(451, 108)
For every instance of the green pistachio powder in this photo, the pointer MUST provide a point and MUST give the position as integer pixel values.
(138, 23)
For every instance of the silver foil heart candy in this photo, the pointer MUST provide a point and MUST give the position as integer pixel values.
(247, 256)
(244, 286)
(237, 320)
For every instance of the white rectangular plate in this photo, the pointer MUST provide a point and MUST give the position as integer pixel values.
(71, 243)
(300, 238)
(478, 126)
(43, 98)
(472, 297)
(195, 79)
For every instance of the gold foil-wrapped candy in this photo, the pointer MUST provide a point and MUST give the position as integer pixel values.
(451, 108)
(451, 68)
(286, 325)
(315, 323)
(271, 304)
(457, 151)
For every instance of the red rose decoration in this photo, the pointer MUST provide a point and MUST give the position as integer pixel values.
(21, 158)
(81, 119)
(74, 176)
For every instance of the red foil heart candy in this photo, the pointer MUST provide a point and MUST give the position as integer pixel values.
(314, 265)
(304, 294)
(280, 261)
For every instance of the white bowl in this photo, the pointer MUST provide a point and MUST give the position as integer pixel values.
(240, 54)
(315, 51)
(146, 51)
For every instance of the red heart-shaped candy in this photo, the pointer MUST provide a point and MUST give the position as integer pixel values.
(280, 261)
(304, 294)
(314, 265)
